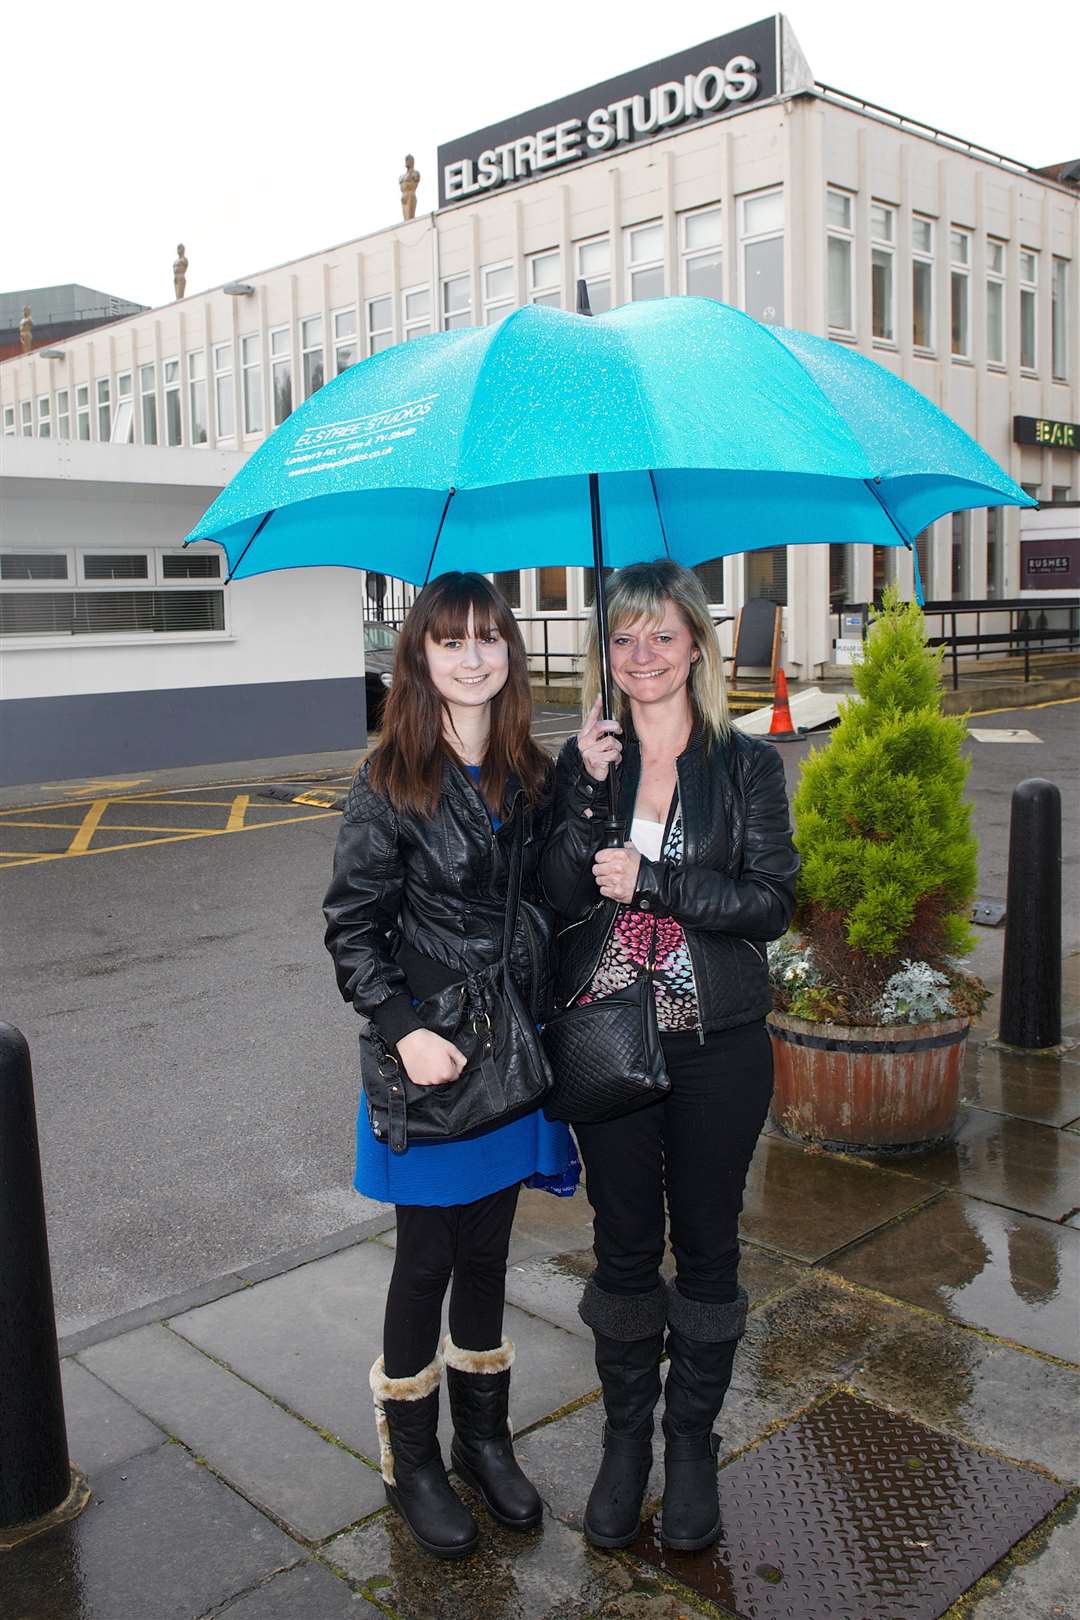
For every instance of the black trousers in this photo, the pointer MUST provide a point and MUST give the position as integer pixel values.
(694, 1149)
(468, 1243)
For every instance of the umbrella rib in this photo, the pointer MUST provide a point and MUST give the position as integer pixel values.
(659, 513)
(451, 492)
(263, 521)
(871, 484)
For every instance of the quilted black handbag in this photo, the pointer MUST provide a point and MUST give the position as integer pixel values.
(506, 1072)
(606, 1056)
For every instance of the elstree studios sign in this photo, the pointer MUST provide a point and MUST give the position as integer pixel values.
(696, 84)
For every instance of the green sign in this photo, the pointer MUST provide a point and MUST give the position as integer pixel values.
(1048, 435)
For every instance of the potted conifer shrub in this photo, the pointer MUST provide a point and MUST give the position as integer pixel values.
(872, 1004)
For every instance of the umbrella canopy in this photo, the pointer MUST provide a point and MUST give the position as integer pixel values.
(711, 434)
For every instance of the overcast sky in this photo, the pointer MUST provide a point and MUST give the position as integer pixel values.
(264, 132)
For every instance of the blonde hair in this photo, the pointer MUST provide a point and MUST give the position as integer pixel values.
(642, 591)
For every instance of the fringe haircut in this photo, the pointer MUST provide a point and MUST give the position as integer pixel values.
(407, 765)
(642, 591)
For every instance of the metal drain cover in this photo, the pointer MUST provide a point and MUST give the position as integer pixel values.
(853, 1513)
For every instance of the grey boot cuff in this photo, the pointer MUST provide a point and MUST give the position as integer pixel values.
(624, 1316)
(707, 1323)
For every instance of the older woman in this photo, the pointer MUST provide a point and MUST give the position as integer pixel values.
(706, 878)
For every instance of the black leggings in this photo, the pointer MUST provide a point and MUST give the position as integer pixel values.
(468, 1242)
(694, 1147)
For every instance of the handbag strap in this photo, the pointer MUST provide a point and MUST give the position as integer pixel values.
(673, 807)
(513, 893)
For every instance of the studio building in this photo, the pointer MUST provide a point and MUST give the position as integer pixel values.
(727, 171)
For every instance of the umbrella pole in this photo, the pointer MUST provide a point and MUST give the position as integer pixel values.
(614, 832)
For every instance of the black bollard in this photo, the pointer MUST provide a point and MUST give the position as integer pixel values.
(35, 1477)
(1031, 976)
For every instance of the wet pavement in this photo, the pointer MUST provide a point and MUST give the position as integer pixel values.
(911, 1367)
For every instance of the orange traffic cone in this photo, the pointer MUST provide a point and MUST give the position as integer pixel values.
(782, 727)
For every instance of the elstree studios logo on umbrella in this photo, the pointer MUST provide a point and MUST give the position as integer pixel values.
(700, 83)
(357, 438)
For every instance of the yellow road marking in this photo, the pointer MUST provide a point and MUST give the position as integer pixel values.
(310, 798)
(1018, 708)
(173, 838)
(81, 841)
(235, 822)
(57, 826)
(144, 798)
(106, 784)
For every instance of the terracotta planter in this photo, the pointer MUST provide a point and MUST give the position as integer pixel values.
(883, 1088)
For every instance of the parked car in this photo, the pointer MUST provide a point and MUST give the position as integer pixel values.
(380, 644)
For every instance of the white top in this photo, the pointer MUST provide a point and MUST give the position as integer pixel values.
(648, 836)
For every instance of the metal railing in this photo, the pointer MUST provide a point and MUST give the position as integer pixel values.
(1031, 628)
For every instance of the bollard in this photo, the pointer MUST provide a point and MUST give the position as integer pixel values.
(1031, 975)
(35, 1477)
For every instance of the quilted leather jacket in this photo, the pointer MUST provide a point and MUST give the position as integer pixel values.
(416, 903)
(733, 890)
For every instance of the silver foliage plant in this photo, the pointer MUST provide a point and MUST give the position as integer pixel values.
(915, 994)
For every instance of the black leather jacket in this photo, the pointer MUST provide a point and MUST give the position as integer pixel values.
(416, 903)
(733, 890)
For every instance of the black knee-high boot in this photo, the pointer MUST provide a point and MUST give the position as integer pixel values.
(407, 1416)
(629, 1334)
(482, 1451)
(701, 1343)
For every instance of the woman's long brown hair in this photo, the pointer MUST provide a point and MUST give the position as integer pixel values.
(407, 764)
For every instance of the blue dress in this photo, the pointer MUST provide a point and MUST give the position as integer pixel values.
(446, 1173)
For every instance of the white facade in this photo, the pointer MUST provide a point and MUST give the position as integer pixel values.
(958, 269)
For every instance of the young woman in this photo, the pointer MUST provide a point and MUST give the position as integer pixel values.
(418, 900)
(706, 878)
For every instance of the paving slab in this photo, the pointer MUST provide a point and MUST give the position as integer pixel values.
(1022, 1084)
(1016, 1162)
(1041, 1588)
(808, 1205)
(161, 1538)
(309, 1337)
(1014, 1275)
(102, 1428)
(547, 1574)
(307, 1592)
(313, 1487)
(990, 1394)
(550, 1286)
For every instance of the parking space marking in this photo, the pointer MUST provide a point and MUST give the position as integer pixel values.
(81, 841)
(11, 858)
(237, 812)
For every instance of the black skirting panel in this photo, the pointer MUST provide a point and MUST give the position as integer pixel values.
(98, 733)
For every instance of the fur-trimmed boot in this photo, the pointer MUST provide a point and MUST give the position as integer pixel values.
(407, 1415)
(629, 1334)
(482, 1451)
(701, 1344)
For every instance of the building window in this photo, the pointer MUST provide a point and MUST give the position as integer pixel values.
(766, 574)
(922, 282)
(711, 575)
(960, 293)
(190, 565)
(63, 414)
(44, 417)
(82, 411)
(883, 570)
(882, 280)
(1059, 322)
(31, 565)
(645, 261)
(416, 312)
(281, 392)
(1061, 492)
(157, 600)
(1029, 293)
(123, 423)
(995, 302)
(104, 410)
(924, 551)
(762, 245)
(312, 354)
(551, 590)
(346, 353)
(508, 585)
(701, 253)
(456, 302)
(9, 421)
(545, 280)
(594, 269)
(380, 324)
(197, 404)
(224, 397)
(960, 578)
(148, 398)
(26, 418)
(497, 292)
(841, 575)
(839, 220)
(995, 552)
(170, 382)
(251, 383)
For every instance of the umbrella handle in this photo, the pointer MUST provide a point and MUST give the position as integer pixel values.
(614, 831)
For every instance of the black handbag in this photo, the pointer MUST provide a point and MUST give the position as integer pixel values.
(506, 1072)
(606, 1056)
